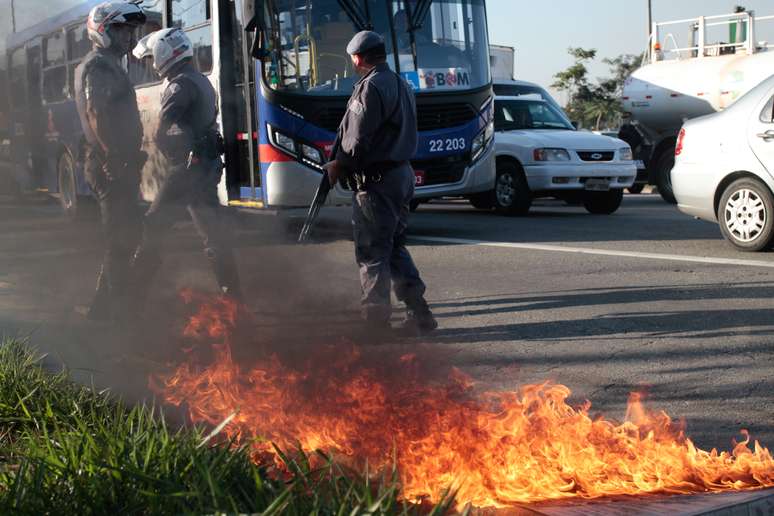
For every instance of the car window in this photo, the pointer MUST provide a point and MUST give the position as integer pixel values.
(767, 115)
(513, 115)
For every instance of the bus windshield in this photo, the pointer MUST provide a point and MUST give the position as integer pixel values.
(437, 46)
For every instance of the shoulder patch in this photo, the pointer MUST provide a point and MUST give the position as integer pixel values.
(356, 107)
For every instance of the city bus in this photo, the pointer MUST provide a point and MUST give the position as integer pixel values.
(283, 79)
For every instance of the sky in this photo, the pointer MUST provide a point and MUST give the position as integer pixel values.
(540, 31)
(541, 35)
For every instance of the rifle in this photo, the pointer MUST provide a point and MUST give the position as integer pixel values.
(319, 199)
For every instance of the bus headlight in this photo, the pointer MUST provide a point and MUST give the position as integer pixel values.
(481, 142)
(551, 155)
(283, 141)
(312, 154)
(625, 154)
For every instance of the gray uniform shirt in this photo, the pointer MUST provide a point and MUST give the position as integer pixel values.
(380, 124)
(188, 112)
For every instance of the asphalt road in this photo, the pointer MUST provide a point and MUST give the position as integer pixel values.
(645, 299)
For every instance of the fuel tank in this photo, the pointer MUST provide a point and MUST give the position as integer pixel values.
(661, 95)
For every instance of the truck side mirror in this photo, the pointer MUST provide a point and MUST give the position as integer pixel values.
(575, 124)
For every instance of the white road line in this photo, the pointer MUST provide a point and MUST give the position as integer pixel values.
(603, 252)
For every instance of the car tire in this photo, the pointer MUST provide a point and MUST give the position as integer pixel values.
(511, 196)
(664, 166)
(68, 192)
(636, 188)
(482, 201)
(746, 215)
(603, 203)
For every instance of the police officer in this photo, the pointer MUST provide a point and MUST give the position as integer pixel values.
(107, 107)
(187, 135)
(377, 137)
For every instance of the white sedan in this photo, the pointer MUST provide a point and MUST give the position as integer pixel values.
(540, 154)
(724, 168)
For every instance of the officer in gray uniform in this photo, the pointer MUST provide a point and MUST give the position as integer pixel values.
(113, 158)
(187, 135)
(378, 136)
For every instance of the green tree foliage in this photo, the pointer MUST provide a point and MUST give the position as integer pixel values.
(595, 104)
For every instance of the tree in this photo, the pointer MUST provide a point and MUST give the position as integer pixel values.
(597, 104)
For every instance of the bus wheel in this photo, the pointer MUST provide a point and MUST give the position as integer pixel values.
(68, 194)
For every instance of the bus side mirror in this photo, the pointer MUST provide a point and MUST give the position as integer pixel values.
(257, 24)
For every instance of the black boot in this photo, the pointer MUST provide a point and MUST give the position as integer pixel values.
(419, 319)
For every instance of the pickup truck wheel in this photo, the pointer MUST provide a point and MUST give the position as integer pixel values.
(746, 215)
(512, 195)
(482, 201)
(603, 203)
(664, 166)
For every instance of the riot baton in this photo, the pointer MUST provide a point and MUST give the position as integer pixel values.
(318, 201)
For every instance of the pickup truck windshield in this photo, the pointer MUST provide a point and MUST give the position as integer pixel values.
(514, 115)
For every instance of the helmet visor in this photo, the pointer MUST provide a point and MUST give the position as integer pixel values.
(143, 49)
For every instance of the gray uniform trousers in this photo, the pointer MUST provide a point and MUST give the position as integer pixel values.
(380, 213)
(196, 192)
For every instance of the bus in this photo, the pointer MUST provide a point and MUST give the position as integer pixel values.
(283, 80)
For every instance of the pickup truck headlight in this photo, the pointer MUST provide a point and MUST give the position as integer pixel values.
(481, 141)
(551, 155)
(625, 154)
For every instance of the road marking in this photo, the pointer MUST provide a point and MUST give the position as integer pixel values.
(603, 252)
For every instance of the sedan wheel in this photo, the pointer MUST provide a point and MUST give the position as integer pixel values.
(746, 214)
(512, 195)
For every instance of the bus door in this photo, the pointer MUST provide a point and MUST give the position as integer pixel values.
(238, 104)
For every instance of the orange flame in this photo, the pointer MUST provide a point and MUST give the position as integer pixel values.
(499, 448)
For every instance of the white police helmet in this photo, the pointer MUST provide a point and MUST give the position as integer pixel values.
(106, 14)
(167, 47)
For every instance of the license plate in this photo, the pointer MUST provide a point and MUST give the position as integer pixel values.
(597, 184)
(419, 178)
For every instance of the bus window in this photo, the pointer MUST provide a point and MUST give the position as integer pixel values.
(78, 43)
(54, 69)
(18, 82)
(202, 46)
(190, 13)
(55, 84)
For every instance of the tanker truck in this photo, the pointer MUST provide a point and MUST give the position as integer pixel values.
(676, 84)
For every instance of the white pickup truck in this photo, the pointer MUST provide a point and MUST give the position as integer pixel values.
(540, 154)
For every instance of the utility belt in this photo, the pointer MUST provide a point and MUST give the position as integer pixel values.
(375, 174)
(208, 147)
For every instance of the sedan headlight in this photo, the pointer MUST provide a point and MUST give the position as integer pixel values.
(625, 154)
(551, 155)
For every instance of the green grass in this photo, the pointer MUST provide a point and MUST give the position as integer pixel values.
(66, 449)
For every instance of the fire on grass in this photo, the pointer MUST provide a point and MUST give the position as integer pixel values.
(498, 448)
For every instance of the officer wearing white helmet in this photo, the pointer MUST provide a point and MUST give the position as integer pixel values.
(107, 107)
(188, 137)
